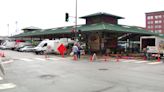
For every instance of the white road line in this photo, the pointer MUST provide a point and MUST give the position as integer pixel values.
(54, 58)
(1, 78)
(153, 63)
(6, 62)
(41, 59)
(7, 86)
(25, 59)
(140, 62)
(126, 61)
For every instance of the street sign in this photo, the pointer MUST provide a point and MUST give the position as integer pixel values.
(62, 49)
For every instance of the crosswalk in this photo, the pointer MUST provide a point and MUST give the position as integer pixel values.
(6, 85)
(41, 59)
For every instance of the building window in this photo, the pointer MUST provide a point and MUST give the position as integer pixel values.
(148, 27)
(156, 17)
(149, 17)
(156, 22)
(151, 22)
(158, 26)
(159, 16)
(160, 21)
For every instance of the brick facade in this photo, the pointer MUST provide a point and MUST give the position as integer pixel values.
(155, 22)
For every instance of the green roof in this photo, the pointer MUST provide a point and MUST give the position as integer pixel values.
(31, 28)
(89, 28)
(100, 14)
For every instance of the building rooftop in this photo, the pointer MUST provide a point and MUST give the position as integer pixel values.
(154, 12)
(100, 14)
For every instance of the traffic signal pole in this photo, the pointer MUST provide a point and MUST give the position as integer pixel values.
(76, 32)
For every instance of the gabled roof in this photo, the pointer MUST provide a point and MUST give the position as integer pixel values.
(100, 14)
(90, 28)
(31, 28)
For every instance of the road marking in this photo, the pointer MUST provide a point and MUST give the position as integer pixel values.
(138, 62)
(1, 78)
(6, 62)
(7, 86)
(41, 59)
(25, 59)
(153, 63)
(54, 58)
(126, 61)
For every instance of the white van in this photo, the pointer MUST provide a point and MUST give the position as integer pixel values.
(8, 44)
(50, 46)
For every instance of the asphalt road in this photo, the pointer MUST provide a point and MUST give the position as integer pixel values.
(27, 72)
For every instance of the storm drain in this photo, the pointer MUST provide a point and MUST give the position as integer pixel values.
(103, 69)
(47, 76)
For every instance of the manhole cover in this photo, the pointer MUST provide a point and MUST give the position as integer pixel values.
(47, 76)
(103, 69)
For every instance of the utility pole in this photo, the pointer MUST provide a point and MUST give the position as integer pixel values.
(8, 29)
(76, 32)
(16, 26)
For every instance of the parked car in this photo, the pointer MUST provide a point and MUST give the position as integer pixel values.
(27, 49)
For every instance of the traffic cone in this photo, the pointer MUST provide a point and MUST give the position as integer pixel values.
(144, 58)
(75, 57)
(117, 59)
(3, 55)
(91, 59)
(105, 58)
(158, 60)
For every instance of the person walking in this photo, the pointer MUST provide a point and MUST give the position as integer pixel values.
(75, 50)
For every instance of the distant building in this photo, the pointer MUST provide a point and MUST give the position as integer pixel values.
(155, 21)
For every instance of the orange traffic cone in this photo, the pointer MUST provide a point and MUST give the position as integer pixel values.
(91, 59)
(158, 60)
(117, 59)
(144, 58)
(105, 58)
(3, 55)
(75, 57)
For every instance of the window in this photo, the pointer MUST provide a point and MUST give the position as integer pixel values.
(151, 22)
(160, 16)
(148, 27)
(158, 26)
(149, 17)
(156, 17)
(156, 22)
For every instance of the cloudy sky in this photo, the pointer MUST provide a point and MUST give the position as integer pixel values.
(51, 13)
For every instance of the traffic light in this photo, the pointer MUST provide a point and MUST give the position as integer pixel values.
(66, 17)
(79, 35)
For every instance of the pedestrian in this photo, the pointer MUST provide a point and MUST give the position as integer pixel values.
(79, 52)
(75, 49)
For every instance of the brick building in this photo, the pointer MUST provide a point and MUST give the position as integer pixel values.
(155, 21)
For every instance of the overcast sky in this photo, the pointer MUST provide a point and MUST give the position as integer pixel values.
(51, 13)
